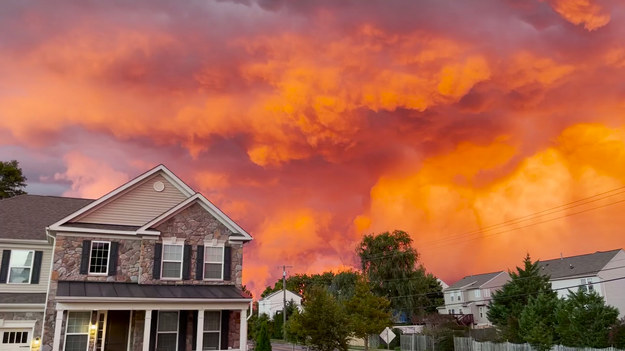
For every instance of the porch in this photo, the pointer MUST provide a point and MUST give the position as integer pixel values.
(173, 323)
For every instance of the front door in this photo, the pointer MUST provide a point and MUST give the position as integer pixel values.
(117, 326)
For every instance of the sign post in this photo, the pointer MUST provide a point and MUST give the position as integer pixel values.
(387, 335)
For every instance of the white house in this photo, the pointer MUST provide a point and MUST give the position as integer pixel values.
(602, 272)
(274, 302)
(468, 298)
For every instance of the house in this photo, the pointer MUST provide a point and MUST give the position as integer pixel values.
(274, 302)
(152, 265)
(468, 298)
(602, 272)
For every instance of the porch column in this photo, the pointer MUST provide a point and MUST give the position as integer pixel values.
(147, 326)
(243, 331)
(58, 325)
(200, 330)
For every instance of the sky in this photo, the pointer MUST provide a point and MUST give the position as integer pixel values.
(486, 129)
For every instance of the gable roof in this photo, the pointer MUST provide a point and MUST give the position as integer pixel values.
(26, 217)
(574, 266)
(473, 281)
(278, 292)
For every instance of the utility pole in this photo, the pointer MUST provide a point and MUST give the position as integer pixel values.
(284, 267)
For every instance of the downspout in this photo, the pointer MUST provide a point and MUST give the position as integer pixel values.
(251, 311)
(45, 306)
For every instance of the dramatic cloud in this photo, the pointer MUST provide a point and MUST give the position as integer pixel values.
(314, 122)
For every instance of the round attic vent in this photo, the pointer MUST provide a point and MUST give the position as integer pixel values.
(159, 186)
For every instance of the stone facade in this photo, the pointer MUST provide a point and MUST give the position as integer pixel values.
(25, 316)
(136, 263)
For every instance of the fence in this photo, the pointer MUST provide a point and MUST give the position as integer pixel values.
(418, 342)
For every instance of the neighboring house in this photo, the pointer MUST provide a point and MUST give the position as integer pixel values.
(602, 272)
(152, 265)
(468, 298)
(274, 302)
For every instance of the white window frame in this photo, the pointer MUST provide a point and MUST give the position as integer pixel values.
(16, 332)
(167, 332)
(103, 327)
(108, 259)
(212, 331)
(586, 285)
(67, 325)
(163, 260)
(223, 259)
(478, 293)
(32, 264)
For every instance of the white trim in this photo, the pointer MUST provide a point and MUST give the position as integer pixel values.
(177, 182)
(141, 304)
(140, 299)
(68, 230)
(32, 264)
(129, 330)
(108, 258)
(26, 243)
(223, 258)
(147, 327)
(199, 330)
(158, 324)
(172, 261)
(95, 341)
(15, 324)
(23, 307)
(208, 206)
(80, 233)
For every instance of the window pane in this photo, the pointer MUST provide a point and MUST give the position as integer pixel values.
(211, 341)
(172, 252)
(78, 322)
(168, 321)
(166, 342)
(212, 321)
(99, 257)
(212, 270)
(171, 269)
(213, 254)
(19, 275)
(21, 258)
(76, 342)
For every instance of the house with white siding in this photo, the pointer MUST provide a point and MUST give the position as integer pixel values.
(274, 302)
(152, 265)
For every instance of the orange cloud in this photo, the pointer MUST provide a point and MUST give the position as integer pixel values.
(586, 12)
(90, 178)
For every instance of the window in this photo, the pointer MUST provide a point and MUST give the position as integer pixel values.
(15, 337)
(213, 262)
(212, 330)
(451, 296)
(99, 261)
(459, 295)
(20, 266)
(477, 293)
(77, 332)
(486, 292)
(172, 261)
(586, 285)
(167, 331)
(481, 312)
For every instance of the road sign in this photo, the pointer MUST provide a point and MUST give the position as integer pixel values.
(387, 335)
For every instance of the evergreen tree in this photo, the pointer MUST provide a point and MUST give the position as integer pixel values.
(538, 319)
(507, 304)
(584, 320)
(263, 343)
(12, 181)
(369, 314)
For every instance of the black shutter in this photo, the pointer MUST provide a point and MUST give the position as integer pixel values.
(4, 267)
(113, 258)
(186, 263)
(227, 262)
(182, 331)
(225, 324)
(194, 334)
(199, 264)
(158, 251)
(36, 267)
(153, 330)
(84, 260)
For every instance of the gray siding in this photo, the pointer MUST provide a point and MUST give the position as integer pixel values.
(137, 206)
(42, 287)
(613, 290)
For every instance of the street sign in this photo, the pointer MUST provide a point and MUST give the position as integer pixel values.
(387, 335)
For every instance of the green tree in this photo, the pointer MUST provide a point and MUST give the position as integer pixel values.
(538, 320)
(323, 324)
(391, 265)
(343, 285)
(263, 343)
(584, 320)
(508, 303)
(617, 334)
(12, 181)
(369, 314)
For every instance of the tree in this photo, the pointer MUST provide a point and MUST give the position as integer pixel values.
(263, 343)
(537, 321)
(508, 303)
(584, 320)
(11, 179)
(323, 324)
(369, 314)
(391, 264)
